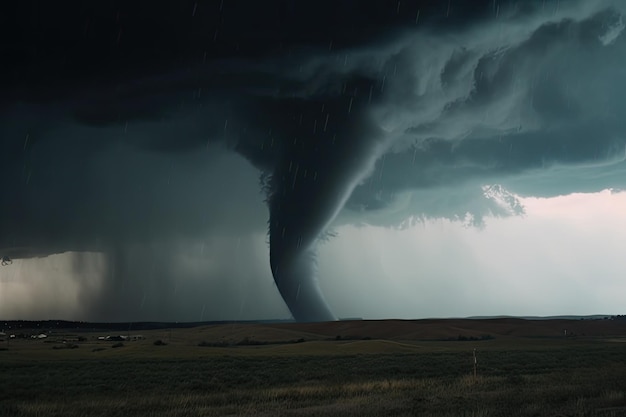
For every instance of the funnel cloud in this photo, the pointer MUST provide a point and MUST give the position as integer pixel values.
(145, 134)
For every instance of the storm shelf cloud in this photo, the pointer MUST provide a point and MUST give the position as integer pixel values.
(215, 145)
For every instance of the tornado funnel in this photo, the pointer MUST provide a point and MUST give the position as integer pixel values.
(309, 186)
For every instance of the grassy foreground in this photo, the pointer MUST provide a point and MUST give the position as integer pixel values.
(516, 377)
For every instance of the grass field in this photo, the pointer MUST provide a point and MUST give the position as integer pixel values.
(296, 370)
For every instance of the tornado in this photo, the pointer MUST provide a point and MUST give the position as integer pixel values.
(316, 174)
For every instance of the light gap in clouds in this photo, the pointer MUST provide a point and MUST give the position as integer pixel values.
(562, 257)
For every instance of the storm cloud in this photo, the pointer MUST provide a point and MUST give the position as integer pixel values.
(143, 133)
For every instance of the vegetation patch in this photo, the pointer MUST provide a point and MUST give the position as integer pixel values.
(65, 346)
(246, 341)
(307, 375)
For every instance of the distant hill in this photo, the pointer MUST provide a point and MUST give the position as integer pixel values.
(396, 330)
(570, 317)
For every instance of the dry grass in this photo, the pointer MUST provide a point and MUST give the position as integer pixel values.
(483, 396)
(516, 376)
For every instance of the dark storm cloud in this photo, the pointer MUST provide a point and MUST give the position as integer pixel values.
(120, 123)
(500, 105)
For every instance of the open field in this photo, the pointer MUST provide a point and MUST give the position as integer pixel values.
(360, 368)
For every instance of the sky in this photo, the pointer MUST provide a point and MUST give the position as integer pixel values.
(239, 160)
